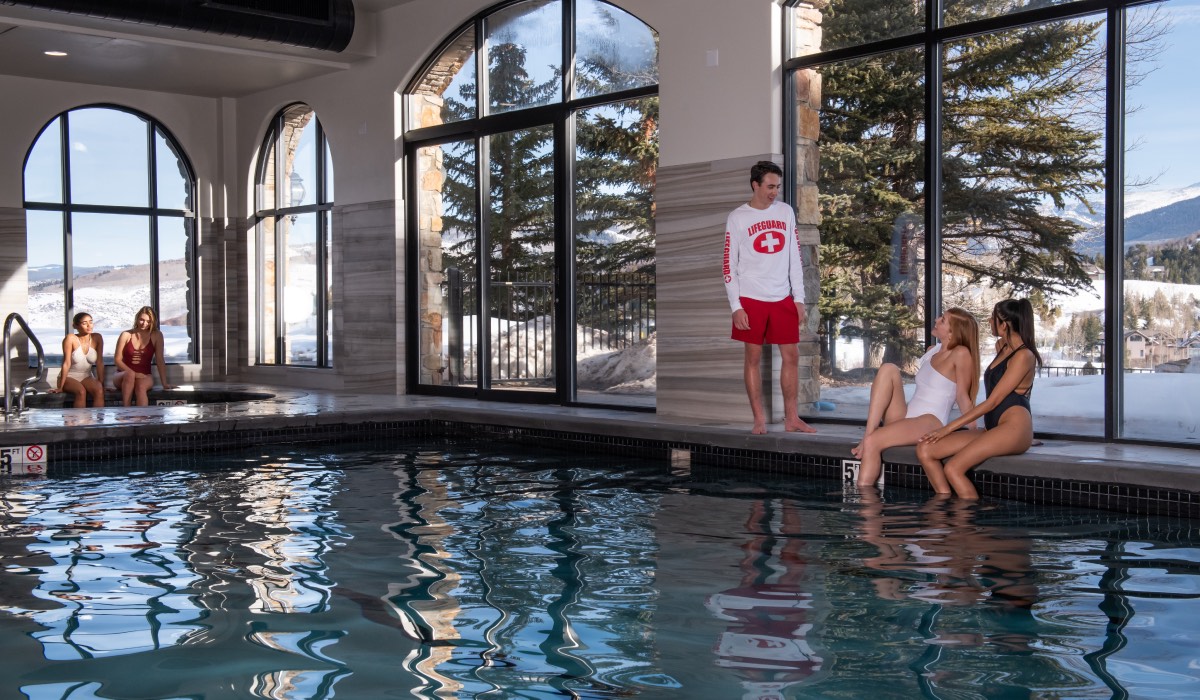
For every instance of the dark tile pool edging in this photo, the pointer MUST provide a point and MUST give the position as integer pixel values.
(146, 451)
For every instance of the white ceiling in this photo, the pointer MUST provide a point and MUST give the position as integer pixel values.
(125, 54)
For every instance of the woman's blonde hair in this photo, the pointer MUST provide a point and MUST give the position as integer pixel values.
(964, 330)
(149, 312)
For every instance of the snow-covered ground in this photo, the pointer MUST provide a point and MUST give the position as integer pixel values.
(524, 349)
(1156, 406)
(112, 309)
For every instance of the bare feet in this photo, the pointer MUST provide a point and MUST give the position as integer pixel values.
(857, 450)
(760, 428)
(795, 425)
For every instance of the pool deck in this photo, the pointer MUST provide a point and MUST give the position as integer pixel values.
(1135, 465)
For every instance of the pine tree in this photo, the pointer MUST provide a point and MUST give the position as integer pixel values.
(520, 218)
(616, 153)
(1018, 130)
(615, 174)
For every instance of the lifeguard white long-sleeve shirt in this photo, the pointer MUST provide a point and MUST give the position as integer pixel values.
(762, 255)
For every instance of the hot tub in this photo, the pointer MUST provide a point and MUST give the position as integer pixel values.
(172, 397)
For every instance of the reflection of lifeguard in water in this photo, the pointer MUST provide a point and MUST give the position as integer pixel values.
(771, 612)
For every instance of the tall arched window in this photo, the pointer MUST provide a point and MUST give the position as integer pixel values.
(532, 148)
(293, 202)
(109, 199)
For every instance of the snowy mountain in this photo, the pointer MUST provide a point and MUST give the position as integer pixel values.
(1151, 216)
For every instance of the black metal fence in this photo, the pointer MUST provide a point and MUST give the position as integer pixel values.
(612, 312)
(1049, 371)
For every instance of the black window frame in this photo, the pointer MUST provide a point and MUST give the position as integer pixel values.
(66, 208)
(932, 39)
(561, 117)
(322, 207)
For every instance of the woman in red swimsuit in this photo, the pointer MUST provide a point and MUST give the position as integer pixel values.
(137, 348)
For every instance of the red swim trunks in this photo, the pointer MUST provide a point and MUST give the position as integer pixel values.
(771, 322)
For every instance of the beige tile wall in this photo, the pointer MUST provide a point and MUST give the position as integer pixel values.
(14, 286)
(699, 366)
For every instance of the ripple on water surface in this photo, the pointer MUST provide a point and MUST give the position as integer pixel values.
(457, 569)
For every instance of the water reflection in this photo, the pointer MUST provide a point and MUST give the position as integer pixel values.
(464, 573)
(176, 563)
(526, 579)
(1018, 598)
(771, 610)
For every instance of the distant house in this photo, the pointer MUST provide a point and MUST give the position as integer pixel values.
(1136, 343)
(1146, 349)
(1190, 347)
(1094, 272)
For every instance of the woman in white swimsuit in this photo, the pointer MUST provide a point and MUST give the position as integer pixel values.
(949, 372)
(83, 351)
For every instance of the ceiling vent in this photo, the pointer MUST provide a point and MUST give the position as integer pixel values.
(315, 24)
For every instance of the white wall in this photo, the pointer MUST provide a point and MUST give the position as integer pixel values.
(729, 110)
(708, 112)
(358, 107)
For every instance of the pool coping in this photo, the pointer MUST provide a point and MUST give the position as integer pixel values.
(1101, 475)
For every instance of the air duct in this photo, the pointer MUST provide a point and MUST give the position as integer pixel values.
(316, 24)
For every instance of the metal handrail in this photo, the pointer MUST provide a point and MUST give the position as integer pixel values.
(41, 357)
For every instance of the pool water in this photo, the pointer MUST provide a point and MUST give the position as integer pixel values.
(460, 569)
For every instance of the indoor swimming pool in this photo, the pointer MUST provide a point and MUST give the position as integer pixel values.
(451, 568)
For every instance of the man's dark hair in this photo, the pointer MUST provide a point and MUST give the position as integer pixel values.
(761, 168)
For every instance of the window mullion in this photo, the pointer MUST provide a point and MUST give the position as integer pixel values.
(277, 232)
(152, 163)
(322, 238)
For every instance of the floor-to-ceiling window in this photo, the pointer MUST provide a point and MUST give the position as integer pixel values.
(973, 151)
(1160, 198)
(532, 147)
(293, 202)
(109, 199)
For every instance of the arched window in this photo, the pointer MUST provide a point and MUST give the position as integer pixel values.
(532, 148)
(293, 201)
(109, 199)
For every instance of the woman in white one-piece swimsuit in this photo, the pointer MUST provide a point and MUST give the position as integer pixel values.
(83, 351)
(949, 372)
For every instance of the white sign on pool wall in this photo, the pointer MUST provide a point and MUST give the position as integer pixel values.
(170, 402)
(23, 459)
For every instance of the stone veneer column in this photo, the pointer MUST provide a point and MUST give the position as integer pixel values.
(368, 291)
(808, 218)
(14, 288)
(431, 304)
(699, 366)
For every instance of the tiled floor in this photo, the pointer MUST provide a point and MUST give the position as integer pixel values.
(1069, 461)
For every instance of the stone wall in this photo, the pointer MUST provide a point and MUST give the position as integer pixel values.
(807, 92)
(431, 305)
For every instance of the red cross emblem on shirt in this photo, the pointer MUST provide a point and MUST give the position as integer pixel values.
(768, 242)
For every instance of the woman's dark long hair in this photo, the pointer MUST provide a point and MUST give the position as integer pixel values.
(1018, 314)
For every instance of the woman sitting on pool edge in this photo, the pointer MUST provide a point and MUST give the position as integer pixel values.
(136, 349)
(1008, 424)
(949, 373)
(83, 350)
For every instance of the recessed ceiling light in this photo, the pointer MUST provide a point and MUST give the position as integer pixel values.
(56, 53)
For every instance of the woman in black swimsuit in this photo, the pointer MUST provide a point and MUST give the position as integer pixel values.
(947, 455)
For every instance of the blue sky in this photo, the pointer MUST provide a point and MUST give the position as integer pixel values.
(1168, 140)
